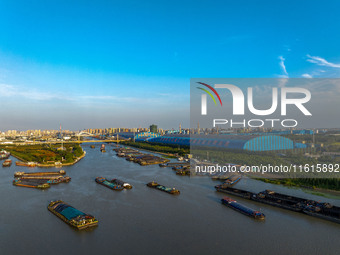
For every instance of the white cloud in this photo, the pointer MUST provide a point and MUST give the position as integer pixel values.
(7, 90)
(306, 75)
(282, 65)
(321, 61)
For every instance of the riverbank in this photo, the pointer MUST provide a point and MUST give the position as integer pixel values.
(56, 164)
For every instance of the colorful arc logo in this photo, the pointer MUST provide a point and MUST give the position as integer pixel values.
(209, 93)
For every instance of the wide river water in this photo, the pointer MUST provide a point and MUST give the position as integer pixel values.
(147, 221)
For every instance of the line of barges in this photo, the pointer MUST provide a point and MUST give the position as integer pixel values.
(310, 207)
(139, 157)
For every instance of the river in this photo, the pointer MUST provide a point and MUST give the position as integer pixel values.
(147, 221)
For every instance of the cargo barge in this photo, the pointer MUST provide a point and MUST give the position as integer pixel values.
(108, 184)
(7, 163)
(38, 184)
(182, 164)
(28, 164)
(183, 172)
(232, 180)
(155, 185)
(324, 211)
(49, 179)
(310, 207)
(118, 182)
(23, 174)
(228, 180)
(71, 215)
(242, 209)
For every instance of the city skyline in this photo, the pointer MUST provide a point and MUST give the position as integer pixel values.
(130, 63)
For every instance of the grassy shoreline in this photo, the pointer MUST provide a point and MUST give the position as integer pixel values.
(47, 155)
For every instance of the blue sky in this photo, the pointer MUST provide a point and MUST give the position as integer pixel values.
(96, 64)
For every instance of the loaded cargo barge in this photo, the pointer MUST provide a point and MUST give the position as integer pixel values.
(155, 185)
(48, 179)
(108, 184)
(23, 174)
(310, 207)
(242, 209)
(72, 216)
(38, 184)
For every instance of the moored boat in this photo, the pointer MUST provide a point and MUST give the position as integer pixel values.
(7, 162)
(155, 185)
(108, 184)
(242, 209)
(71, 215)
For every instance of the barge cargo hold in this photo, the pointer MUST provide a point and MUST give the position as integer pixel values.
(324, 211)
(72, 216)
(108, 184)
(242, 209)
(155, 185)
(118, 182)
